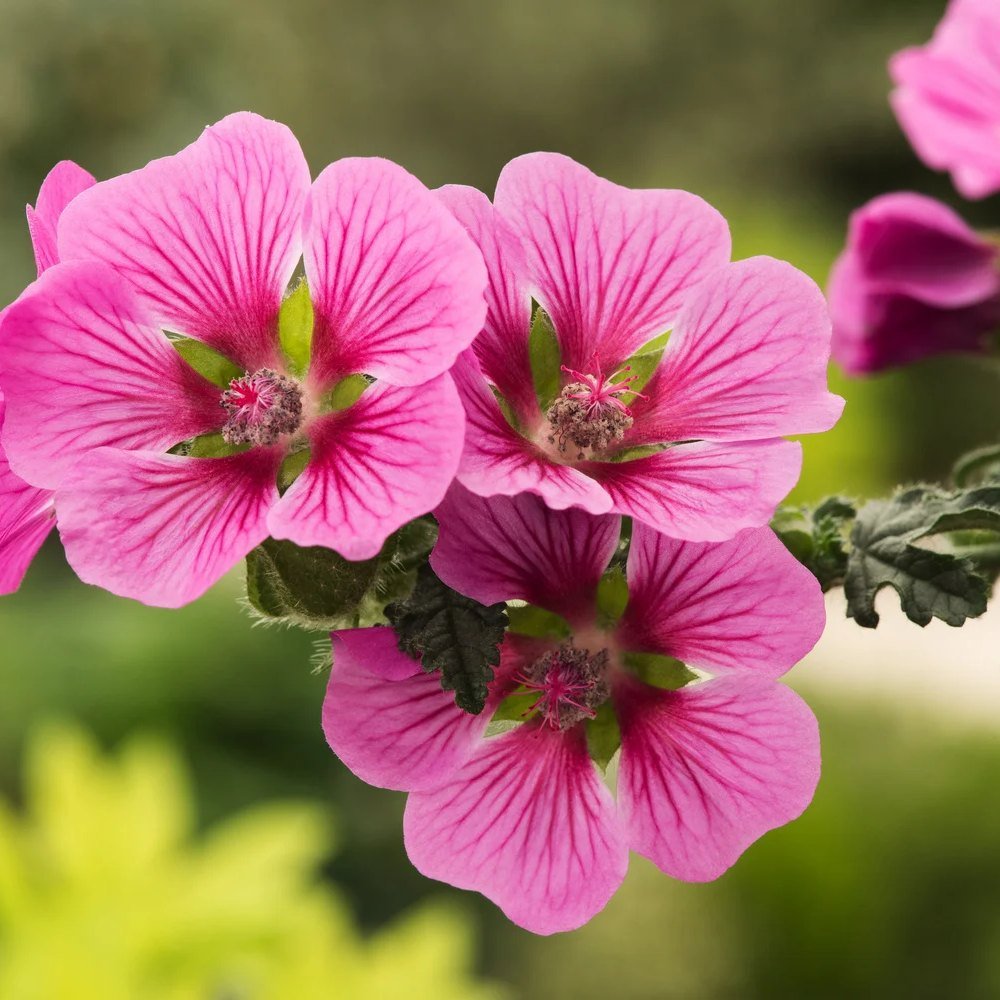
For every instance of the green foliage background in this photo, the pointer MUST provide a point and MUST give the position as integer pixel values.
(774, 111)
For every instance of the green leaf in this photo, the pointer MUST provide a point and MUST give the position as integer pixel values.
(659, 671)
(207, 362)
(527, 619)
(818, 539)
(314, 588)
(450, 632)
(930, 584)
(612, 596)
(345, 393)
(545, 357)
(603, 736)
(979, 466)
(295, 327)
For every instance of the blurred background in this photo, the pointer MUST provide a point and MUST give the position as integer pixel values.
(775, 112)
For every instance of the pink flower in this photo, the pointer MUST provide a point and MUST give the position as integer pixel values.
(615, 269)
(947, 96)
(913, 281)
(204, 244)
(27, 514)
(523, 817)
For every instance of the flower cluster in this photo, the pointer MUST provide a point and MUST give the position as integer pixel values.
(565, 372)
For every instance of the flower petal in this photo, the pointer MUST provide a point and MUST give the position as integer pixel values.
(703, 492)
(390, 722)
(62, 184)
(500, 548)
(502, 347)
(26, 518)
(611, 265)
(208, 237)
(708, 769)
(82, 367)
(747, 360)
(498, 460)
(161, 528)
(387, 459)
(396, 281)
(744, 604)
(526, 822)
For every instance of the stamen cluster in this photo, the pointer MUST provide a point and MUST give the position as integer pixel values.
(571, 683)
(261, 407)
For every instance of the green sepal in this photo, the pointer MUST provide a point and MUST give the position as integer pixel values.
(345, 393)
(206, 361)
(314, 587)
(604, 737)
(515, 707)
(639, 451)
(292, 466)
(646, 360)
(545, 357)
(295, 327)
(528, 619)
(214, 446)
(659, 671)
(506, 409)
(612, 596)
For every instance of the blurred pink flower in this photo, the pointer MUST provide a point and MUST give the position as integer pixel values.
(913, 281)
(27, 514)
(947, 96)
(203, 244)
(523, 817)
(614, 269)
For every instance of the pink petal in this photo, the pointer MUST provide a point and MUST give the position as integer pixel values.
(387, 459)
(500, 548)
(396, 281)
(745, 604)
(62, 184)
(161, 528)
(502, 347)
(611, 265)
(26, 518)
(708, 769)
(82, 366)
(747, 360)
(387, 720)
(208, 237)
(703, 492)
(498, 460)
(526, 822)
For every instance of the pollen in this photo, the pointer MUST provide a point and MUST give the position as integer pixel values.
(571, 685)
(262, 407)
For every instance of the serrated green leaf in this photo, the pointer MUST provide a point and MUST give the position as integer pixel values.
(659, 671)
(345, 393)
(818, 540)
(930, 584)
(603, 736)
(612, 595)
(545, 357)
(314, 588)
(528, 619)
(295, 327)
(452, 633)
(206, 361)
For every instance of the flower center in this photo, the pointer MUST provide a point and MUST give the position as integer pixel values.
(589, 415)
(261, 407)
(571, 685)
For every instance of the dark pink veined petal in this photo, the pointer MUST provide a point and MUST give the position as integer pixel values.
(707, 770)
(397, 283)
(744, 604)
(612, 266)
(163, 528)
(502, 347)
(82, 366)
(387, 459)
(498, 460)
(209, 237)
(747, 360)
(501, 548)
(62, 184)
(529, 824)
(703, 492)
(388, 721)
(26, 518)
